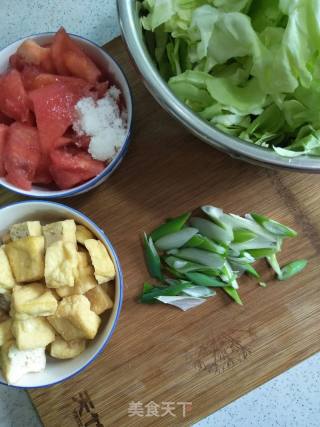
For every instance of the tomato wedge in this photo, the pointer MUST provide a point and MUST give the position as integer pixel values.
(71, 166)
(14, 101)
(69, 59)
(54, 107)
(21, 155)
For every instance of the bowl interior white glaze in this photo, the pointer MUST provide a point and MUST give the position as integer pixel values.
(107, 63)
(60, 370)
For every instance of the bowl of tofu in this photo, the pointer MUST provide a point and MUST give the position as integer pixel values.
(61, 289)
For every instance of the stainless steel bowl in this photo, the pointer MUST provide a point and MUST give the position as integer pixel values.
(235, 147)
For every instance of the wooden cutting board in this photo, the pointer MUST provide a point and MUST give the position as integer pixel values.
(215, 353)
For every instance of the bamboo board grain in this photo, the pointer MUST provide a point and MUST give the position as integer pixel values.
(219, 351)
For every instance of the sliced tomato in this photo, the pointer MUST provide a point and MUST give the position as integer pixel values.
(80, 65)
(71, 166)
(82, 141)
(14, 101)
(5, 120)
(21, 155)
(54, 107)
(58, 47)
(31, 53)
(3, 139)
(78, 85)
(69, 58)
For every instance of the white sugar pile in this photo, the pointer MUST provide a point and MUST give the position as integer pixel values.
(102, 121)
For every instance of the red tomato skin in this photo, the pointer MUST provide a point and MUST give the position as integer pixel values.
(54, 107)
(44, 79)
(69, 58)
(3, 139)
(14, 101)
(21, 155)
(71, 166)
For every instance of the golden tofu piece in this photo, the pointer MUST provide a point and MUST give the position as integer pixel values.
(33, 300)
(75, 311)
(25, 229)
(26, 258)
(61, 264)
(65, 328)
(15, 363)
(32, 333)
(82, 234)
(61, 349)
(99, 300)
(104, 270)
(5, 331)
(83, 282)
(6, 277)
(60, 231)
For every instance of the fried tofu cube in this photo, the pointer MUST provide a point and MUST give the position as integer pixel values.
(32, 333)
(82, 234)
(75, 311)
(104, 270)
(5, 331)
(61, 264)
(83, 282)
(15, 363)
(60, 231)
(61, 349)
(6, 277)
(26, 258)
(65, 328)
(25, 229)
(33, 300)
(99, 300)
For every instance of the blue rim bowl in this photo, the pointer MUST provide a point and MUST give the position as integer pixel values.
(58, 371)
(107, 62)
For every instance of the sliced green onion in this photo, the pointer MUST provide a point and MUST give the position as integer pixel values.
(152, 258)
(261, 253)
(199, 292)
(171, 290)
(233, 294)
(273, 262)
(272, 226)
(244, 268)
(183, 302)
(236, 222)
(202, 242)
(171, 226)
(292, 269)
(201, 279)
(200, 256)
(212, 231)
(175, 240)
(242, 235)
(228, 275)
(183, 266)
(215, 214)
(256, 243)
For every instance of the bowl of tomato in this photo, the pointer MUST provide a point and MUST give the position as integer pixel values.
(65, 115)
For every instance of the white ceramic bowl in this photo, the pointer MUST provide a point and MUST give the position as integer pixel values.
(60, 370)
(105, 61)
